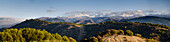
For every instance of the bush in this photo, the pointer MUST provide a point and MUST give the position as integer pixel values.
(121, 32)
(139, 35)
(94, 39)
(72, 40)
(113, 32)
(129, 32)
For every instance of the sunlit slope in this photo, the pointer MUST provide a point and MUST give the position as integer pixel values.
(150, 19)
(79, 31)
(123, 38)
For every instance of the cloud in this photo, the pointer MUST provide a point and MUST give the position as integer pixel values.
(164, 12)
(79, 12)
(9, 20)
(105, 10)
(151, 10)
(109, 13)
(51, 10)
(52, 7)
(89, 12)
(126, 15)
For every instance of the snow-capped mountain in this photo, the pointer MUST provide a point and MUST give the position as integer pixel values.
(122, 15)
(86, 15)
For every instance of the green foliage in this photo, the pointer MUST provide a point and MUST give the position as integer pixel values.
(65, 39)
(100, 40)
(72, 40)
(168, 33)
(107, 22)
(57, 36)
(147, 30)
(139, 35)
(121, 31)
(5, 36)
(126, 21)
(101, 35)
(30, 34)
(113, 32)
(151, 40)
(93, 39)
(129, 32)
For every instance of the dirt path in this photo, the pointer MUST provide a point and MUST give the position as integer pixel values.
(82, 33)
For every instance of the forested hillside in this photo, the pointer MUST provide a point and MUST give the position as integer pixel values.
(147, 30)
(63, 28)
(112, 35)
(32, 35)
(150, 19)
(80, 31)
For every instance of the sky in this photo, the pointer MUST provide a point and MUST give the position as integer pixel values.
(54, 8)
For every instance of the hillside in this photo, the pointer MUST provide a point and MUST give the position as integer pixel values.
(53, 19)
(31, 35)
(112, 35)
(69, 29)
(84, 22)
(145, 29)
(81, 20)
(77, 31)
(150, 19)
(123, 38)
(103, 19)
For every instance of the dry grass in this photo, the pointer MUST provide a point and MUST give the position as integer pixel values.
(123, 38)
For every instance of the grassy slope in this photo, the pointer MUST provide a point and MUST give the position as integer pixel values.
(73, 30)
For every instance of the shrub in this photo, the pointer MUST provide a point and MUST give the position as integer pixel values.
(139, 35)
(129, 32)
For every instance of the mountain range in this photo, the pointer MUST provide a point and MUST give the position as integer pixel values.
(7, 22)
(97, 17)
(144, 19)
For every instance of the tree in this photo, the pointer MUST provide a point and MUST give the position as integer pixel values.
(47, 36)
(72, 40)
(125, 27)
(84, 40)
(129, 32)
(121, 31)
(94, 39)
(29, 34)
(7, 37)
(109, 22)
(57, 36)
(100, 40)
(113, 32)
(139, 35)
(65, 38)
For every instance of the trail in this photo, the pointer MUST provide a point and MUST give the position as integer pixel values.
(82, 33)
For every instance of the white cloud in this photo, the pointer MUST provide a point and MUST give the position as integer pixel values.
(80, 12)
(9, 20)
(109, 13)
(51, 10)
(107, 10)
(126, 15)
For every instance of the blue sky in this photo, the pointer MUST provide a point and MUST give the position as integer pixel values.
(53, 8)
